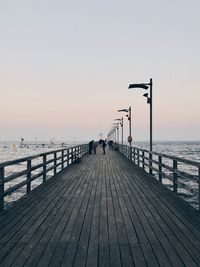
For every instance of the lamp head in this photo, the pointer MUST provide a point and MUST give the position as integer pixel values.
(123, 110)
(138, 85)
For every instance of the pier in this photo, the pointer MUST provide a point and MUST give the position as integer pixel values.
(97, 210)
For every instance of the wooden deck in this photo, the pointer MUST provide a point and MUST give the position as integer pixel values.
(103, 211)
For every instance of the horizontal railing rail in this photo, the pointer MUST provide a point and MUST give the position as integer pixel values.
(176, 173)
(21, 174)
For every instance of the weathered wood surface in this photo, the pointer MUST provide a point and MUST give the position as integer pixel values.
(100, 212)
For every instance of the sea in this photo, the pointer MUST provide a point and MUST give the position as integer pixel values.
(182, 149)
(13, 150)
(189, 150)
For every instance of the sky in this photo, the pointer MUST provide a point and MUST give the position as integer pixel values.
(65, 67)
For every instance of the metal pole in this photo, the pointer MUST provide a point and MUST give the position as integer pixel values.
(118, 132)
(122, 130)
(130, 123)
(151, 100)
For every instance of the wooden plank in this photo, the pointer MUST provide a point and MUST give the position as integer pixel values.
(74, 236)
(47, 230)
(113, 239)
(137, 238)
(24, 205)
(80, 255)
(70, 234)
(171, 235)
(159, 233)
(34, 218)
(53, 243)
(93, 246)
(125, 250)
(103, 212)
(22, 209)
(103, 227)
(29, 230)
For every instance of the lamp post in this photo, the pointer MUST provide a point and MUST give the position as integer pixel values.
(149, 101)
(116, 125)
(122, 124)
(128, 110)
(114, 133)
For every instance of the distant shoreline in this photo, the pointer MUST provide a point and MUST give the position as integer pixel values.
(85, 141)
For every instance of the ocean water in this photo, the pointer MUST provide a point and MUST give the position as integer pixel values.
(187, 189)
(188, 180)
(15, 150)
(12, 150)
(188, 150)
(182, 149)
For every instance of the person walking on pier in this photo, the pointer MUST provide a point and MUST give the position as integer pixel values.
(91, 146)
(104, 146)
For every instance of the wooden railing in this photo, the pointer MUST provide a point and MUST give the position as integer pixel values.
(180, 175)
(34, 170)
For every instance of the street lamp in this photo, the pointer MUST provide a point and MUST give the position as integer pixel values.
(116, 125)
(122, 124)
(111, 133)
(129, 118)
(149, 101)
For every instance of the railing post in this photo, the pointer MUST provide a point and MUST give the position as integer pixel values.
(55, 162)
(150, 162)
(73, 154)
(175, 176)
(131, 153)
(143, 155)
(62, 159)
(138, 157)
(67, 157)
(1, 189)
(44, 168)
(79, 151)
(76, 152)
(28, 188)
(160, 168)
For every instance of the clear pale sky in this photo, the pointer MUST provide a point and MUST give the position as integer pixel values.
(65, 67)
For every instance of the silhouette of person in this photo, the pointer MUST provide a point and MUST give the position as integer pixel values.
(110, 143)
(91, 146)
(104, 146)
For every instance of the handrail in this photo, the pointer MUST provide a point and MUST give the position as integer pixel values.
(148, 162)
(32, 171)
(17, 161)
(182, 160)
